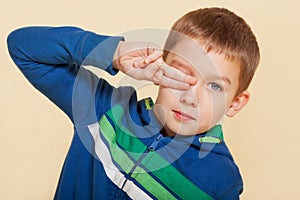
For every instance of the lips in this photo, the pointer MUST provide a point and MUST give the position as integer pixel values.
(183, 116)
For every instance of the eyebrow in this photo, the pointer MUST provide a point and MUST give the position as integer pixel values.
(223, 78)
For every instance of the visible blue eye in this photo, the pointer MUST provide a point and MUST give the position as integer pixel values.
(215, 87)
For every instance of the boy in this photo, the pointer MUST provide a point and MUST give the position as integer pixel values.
(129, 149)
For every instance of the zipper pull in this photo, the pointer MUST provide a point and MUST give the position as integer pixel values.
(155, 143)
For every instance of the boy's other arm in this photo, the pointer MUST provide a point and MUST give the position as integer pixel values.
(233, 193)
(50, 57)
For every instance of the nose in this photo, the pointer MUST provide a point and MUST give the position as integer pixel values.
(189, 97)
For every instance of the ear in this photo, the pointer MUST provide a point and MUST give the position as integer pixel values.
(238, 104)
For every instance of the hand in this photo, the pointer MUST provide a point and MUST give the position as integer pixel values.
(143, 61)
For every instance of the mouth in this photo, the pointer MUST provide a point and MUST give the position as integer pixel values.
(183, 116)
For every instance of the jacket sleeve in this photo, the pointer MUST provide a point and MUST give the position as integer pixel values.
(232, 194)
(50, 58)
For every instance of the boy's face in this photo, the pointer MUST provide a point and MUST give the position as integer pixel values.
(196, 110)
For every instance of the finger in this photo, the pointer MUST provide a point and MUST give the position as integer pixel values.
(177, 75)
(146, 73)
(144, 61)
(139, 63)
(174, 84)
(155, 55)
(149, 72)
(150, 50)
(157, 76)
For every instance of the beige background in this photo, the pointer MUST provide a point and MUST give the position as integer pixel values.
(264, 139)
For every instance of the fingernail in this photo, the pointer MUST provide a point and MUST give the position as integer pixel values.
(193, 80)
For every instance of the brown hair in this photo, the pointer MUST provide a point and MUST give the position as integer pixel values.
(221, 31)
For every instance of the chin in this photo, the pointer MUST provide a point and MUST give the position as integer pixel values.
(184, 132)
(193, 132)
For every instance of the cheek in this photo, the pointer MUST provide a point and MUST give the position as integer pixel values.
(213, 107)
(170, 95)
(166, 97)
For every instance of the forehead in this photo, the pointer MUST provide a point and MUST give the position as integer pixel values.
(189, 53)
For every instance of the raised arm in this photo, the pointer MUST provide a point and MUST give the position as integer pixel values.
(50, 57)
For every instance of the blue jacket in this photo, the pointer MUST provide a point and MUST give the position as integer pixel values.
(117, 151)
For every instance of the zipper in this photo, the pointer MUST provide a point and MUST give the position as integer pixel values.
(152, 147)
(154, 144)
